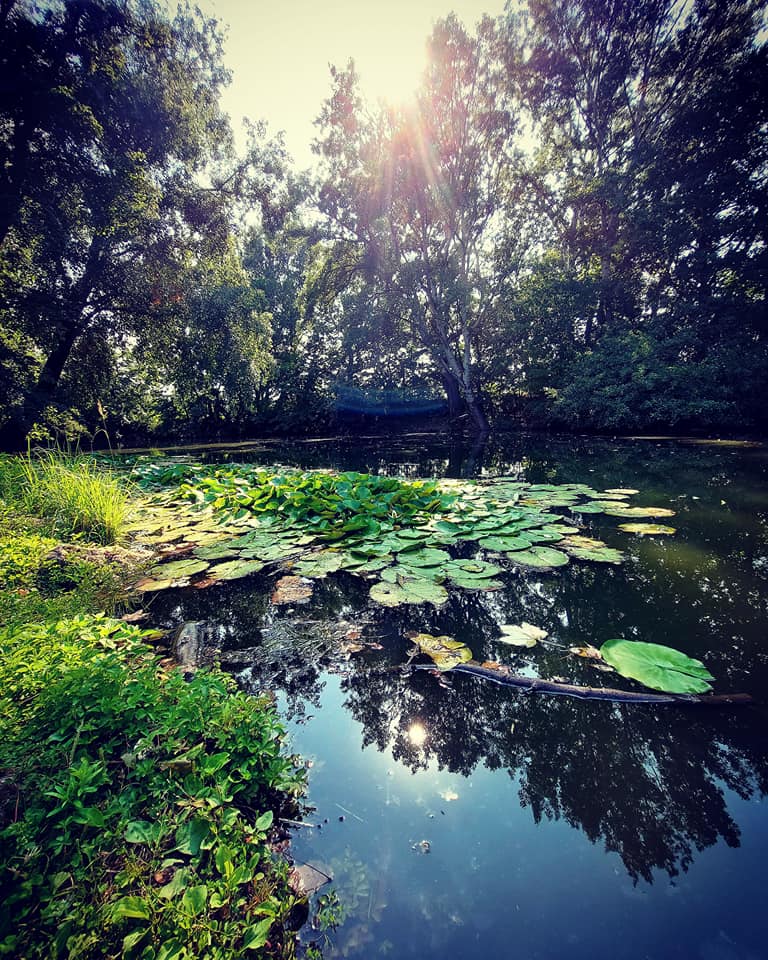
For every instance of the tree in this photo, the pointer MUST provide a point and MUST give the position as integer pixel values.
(118, 178)
(413, 195)
(649, 170)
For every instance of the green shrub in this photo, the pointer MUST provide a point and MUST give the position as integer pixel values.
(143, 801)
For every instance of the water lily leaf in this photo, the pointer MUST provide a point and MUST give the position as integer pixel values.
(590, 507)
(408, 590)
(235, 569)
(179, 568)
(219, 551)
(539, 557)
(501, 544)
(468, 569)
(444, 651)
(596, 554)
(524, 635)
(646, 529)
(657, 666)
(430, 557)
(614, 510)
(292, 590)
(319, 565)
(624, 491)
(153, 584)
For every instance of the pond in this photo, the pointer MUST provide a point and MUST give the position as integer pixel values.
(462, 818)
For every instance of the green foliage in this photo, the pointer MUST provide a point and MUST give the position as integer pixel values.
(76, 493)
(135, 826)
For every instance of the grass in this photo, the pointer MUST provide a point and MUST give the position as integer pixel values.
(77, 494)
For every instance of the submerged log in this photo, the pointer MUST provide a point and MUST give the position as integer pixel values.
(534, 685)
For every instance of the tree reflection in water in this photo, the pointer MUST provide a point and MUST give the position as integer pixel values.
(645, 782)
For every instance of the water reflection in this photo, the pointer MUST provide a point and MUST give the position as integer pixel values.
(654, 786)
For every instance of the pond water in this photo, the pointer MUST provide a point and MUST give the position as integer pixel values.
(553, 827)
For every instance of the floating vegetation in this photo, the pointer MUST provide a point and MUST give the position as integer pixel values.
(411, 538)
(657, 666)
(524, 635)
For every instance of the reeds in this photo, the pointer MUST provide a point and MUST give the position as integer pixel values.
(74, 491)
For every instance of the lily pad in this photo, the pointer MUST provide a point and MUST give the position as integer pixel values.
(596, 554)
(657, 666)
(624, 491)
(153, 584)
(408, 591)
(541, 557)
(646, 529)
(614, 510)
(235, 569)
(179, 568)
(319, 565)
(524, 635)
(444, 651)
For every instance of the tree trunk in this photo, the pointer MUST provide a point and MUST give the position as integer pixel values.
(453, 394)
(13, 434)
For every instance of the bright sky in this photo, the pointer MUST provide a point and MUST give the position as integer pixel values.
(279, 52)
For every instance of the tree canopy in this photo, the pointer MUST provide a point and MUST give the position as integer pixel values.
(565, 225)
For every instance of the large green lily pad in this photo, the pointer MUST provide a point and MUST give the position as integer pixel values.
(540, 557)
(657, 666)
(235, 569)
(408, 591)
(179, 568)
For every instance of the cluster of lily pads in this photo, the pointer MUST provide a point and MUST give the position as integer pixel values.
(414, 539)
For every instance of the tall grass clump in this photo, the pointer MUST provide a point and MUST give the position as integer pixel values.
(78, 494)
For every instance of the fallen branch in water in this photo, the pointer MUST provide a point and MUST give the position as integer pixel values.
(534, 685)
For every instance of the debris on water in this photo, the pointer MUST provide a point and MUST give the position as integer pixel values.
(449, 795)
(291, 589)
(423, 846)
(351, 814)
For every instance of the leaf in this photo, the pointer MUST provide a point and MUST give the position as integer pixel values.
(142, 831)
(444, 651)
(319, 565)
(657, 666)
(646, 529)
(256, 936)
(235, 569)
(291, 590)
(541, 557)
(617, 510)
(265, 821)
(132, 939)
(195, 899)
(133, 907)
(409, 590)
(596, 554)
(624, 491)
(589, 652)
(179, 568)
(524, 635)
(190, 836)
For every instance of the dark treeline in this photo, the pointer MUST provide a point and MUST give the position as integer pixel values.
(565, 227)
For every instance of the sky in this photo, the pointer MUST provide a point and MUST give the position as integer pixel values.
(279, 52)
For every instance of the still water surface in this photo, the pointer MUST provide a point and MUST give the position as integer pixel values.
(555, 828)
